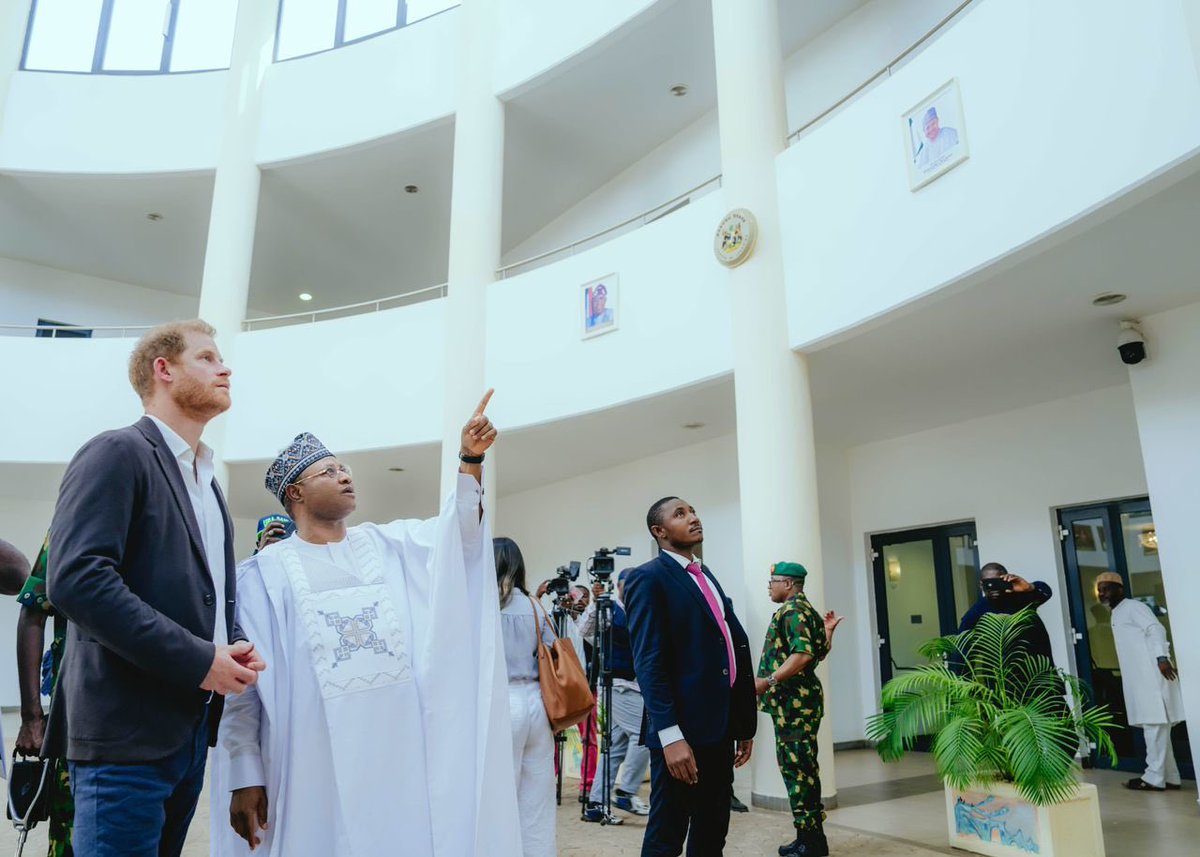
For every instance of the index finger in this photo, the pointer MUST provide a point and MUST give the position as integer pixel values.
(483, 403)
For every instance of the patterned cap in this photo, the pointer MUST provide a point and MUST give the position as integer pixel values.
(1109, 577)
(299, 455)
(789, 569)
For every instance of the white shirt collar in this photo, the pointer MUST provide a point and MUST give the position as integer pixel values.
(179, 447)
(682, 560)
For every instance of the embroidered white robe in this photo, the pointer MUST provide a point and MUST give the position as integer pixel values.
(381, 723)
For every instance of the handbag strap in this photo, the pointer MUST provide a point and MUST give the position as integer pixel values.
(537, 625)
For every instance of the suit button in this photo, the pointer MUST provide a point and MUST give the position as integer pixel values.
(209, 601)
(724, 672)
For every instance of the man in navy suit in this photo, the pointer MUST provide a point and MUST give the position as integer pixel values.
(141, 563)
(692, 660)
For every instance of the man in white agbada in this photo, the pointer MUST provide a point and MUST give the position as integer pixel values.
(383, 725)
(1148, 679)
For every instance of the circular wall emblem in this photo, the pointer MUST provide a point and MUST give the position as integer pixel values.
(734, 241)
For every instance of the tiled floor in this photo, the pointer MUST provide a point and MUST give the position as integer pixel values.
(884, 811)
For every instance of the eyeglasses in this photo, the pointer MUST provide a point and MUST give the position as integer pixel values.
(332, 471)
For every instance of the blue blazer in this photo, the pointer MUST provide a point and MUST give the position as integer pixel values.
(681, 661)
(127, 567)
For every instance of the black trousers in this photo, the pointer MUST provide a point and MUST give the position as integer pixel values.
(699, 813)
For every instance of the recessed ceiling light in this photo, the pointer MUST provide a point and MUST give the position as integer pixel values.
(154, 217)
(693, 426)
(304, 296)
(1108, 299)
(411, 188)
(395, 470)
(679, 90)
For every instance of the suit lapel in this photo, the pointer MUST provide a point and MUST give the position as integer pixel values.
(170, 469)
(683, 578)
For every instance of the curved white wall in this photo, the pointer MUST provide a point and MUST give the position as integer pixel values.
(1066, 105)
(352, 95)
(100, 123)
(533, 36)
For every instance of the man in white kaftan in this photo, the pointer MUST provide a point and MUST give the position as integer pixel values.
(1148, 680)
(383, 727)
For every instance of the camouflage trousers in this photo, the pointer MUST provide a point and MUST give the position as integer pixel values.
(62, 811)
(796, 751)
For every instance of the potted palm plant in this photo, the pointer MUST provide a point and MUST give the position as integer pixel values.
(1006, 726)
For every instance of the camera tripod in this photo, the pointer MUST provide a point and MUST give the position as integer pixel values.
(601, 680)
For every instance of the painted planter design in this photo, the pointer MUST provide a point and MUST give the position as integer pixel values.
(997, 821)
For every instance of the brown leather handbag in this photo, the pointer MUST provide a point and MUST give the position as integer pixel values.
(565, 691)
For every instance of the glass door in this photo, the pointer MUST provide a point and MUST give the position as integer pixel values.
(924, 581)
(1118, 537)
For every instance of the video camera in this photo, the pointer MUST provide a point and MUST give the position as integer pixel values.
(564, 576)
(601, 565)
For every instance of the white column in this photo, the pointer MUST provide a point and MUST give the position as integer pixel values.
(226, 282)
(476, 200)
(776, 455)
(14, 16)
(1166, 399)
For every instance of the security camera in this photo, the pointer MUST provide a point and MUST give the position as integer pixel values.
(1131, 345)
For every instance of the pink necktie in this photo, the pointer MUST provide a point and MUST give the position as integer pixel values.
(696, 570)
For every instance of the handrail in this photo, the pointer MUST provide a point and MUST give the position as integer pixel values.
(671, 204)
(347, 309)
(886, 71)
(18, 329)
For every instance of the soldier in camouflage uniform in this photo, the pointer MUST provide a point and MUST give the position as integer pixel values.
(798, 638)
(31, 627)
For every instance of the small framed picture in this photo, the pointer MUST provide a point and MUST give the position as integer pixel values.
(600, 306)
(935, 136)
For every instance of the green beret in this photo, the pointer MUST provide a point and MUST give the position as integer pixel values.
(789, 569)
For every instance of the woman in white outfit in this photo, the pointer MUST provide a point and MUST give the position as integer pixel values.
(533, 743)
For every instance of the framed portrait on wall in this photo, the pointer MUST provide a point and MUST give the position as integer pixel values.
(600, 306)
(935, 136)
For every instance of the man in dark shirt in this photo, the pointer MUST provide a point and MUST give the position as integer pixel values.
(1011, 598)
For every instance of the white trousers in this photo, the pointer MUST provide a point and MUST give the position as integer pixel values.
(1160, 757)
(533, 764)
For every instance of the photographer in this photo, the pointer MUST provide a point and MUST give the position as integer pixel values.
(1010, 593)
(625, 717)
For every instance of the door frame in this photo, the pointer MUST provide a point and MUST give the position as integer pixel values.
(943, 580)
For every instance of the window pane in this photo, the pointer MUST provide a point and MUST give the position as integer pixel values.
(135, 35)
(306, 26)
(365, 17)
(418, 9)
(63, 35)
(203, 34)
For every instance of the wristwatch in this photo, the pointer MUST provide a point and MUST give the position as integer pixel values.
(771, 680)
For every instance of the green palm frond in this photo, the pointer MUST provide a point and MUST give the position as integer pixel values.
(996, 711)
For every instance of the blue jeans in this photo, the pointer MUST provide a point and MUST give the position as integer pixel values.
(138, 810)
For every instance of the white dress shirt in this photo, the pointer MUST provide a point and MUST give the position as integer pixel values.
(673, 733)
(196, 467)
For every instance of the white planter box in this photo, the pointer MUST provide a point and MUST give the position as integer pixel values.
(1000, 823)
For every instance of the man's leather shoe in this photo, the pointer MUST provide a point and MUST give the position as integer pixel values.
(736, 805)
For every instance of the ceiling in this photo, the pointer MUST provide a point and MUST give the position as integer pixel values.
(97, 225)
(340, 226)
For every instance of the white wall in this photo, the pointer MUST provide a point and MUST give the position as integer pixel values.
(29, 291)
(816, 76)
(352, 95)
(102, 123)
(1066, 105)
(1166, 393)
(535, 35)
(568, 520)
(681, 163)
(832, 65)
(1007, 473)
